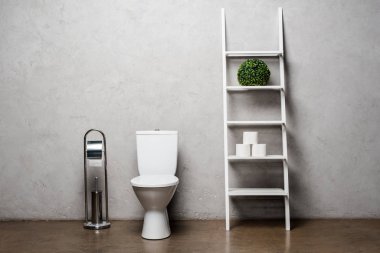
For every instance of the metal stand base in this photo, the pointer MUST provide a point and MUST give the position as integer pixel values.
(94, 226)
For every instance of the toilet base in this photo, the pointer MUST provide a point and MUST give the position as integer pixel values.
(156, 225)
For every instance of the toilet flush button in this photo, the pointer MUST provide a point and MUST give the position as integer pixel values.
(157, 129)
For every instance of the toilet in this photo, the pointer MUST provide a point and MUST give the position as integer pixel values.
(157, 163)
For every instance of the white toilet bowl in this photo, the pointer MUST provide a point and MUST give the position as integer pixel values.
(154, 193)
(157, 163)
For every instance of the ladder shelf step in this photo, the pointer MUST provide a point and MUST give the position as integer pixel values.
(256, 192)
(256, 123)
(242, 54)
(253, 88)
(233, 158)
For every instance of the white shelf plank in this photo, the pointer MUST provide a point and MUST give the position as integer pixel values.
(252, 88)
(234, 158)
(255, 123)
(256, 192)
(243, 54)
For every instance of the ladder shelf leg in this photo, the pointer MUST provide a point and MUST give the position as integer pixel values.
(224, 63)
(283, 118)
(287, 213)
(286, 198)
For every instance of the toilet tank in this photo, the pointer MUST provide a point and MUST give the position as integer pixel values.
(157, 152)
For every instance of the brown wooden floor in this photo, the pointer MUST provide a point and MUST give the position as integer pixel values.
(194, 236)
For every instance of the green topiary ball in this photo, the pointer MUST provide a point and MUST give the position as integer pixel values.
(253, 72)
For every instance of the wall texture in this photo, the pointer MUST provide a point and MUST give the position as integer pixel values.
(121, 66)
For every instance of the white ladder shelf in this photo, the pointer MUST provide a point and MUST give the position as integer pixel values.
(231, 192)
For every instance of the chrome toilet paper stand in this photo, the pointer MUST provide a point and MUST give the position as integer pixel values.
(97, 221)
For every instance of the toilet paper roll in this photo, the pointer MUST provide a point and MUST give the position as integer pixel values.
(95, 162)
(243, 150)
(250, 137)
(259, 150)
(94, 149)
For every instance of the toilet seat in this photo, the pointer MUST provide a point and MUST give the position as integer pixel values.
(154, 181)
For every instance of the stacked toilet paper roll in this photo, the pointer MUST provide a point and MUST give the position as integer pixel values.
(250, 138)
(243, 150)
(259, 150)
(250, 146)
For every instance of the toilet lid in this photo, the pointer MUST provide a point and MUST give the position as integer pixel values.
(154, 181)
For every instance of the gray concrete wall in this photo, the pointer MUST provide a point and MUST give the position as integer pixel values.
(121, 66)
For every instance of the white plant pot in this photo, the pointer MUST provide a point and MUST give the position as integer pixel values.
(250, 137)
(243, 150)
(259, 150)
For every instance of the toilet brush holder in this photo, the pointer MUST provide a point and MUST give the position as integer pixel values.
(95, 155)
(96, 204)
